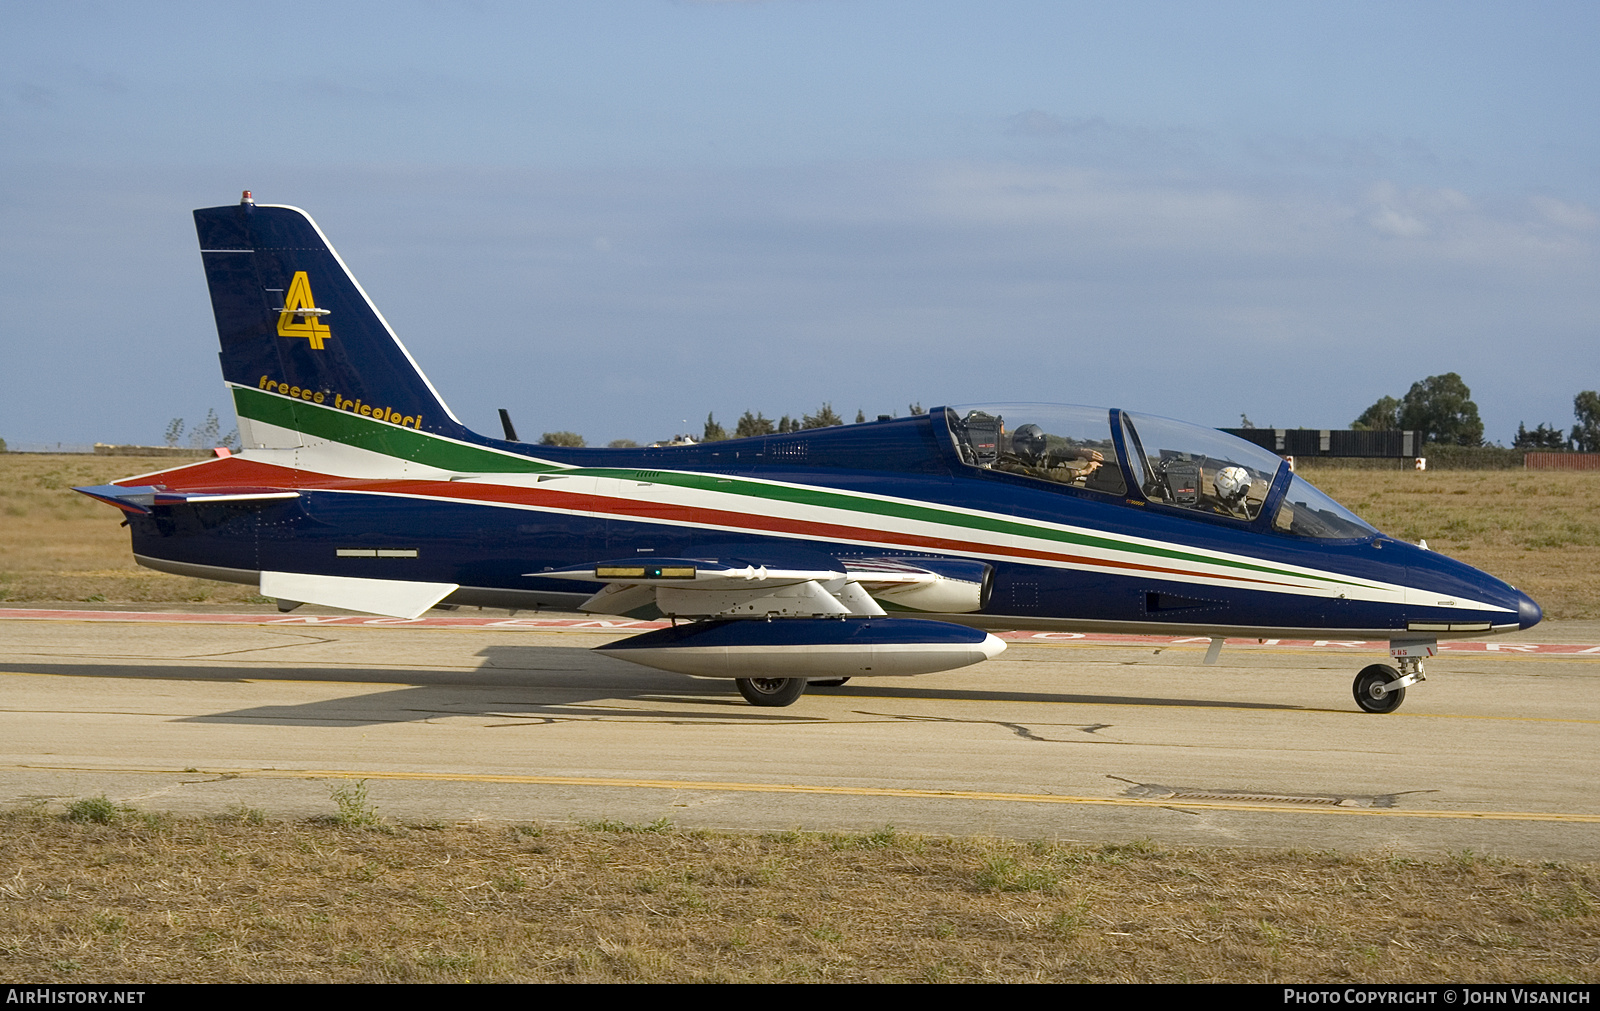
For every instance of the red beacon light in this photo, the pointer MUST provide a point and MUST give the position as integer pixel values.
(247, 199)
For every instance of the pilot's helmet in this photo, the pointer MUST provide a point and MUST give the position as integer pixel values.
(1029, 442)
(1232, 483)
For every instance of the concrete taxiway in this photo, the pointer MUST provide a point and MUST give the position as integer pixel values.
(1064, 739)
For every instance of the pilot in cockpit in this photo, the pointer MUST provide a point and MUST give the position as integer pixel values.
(1031, 455)
(1232, 484)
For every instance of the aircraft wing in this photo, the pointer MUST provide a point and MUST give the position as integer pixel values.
(698, 587)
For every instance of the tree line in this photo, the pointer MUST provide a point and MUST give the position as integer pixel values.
(1441, 408)
(750, 424)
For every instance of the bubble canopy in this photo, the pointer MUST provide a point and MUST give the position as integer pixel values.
(1133, 456)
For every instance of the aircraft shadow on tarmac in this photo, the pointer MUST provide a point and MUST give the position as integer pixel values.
(550, 684)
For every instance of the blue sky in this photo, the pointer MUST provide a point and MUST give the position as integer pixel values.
(614, 216)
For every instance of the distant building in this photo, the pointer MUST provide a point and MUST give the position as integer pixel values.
(1310, 443)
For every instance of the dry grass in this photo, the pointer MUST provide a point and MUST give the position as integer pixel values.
(58, 545)
(1540, 530)
(137, 897)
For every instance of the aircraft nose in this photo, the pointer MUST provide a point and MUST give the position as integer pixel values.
(1529, 613)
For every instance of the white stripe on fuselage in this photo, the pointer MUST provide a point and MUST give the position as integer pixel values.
(879, 530)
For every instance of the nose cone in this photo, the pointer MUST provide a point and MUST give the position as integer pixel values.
(1529, 613)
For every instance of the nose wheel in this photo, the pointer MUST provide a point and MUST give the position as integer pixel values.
(1373, 692)
(1380, 688)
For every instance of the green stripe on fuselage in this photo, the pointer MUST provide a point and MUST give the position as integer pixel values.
(352, 429)
(430, 450)
(930, 514)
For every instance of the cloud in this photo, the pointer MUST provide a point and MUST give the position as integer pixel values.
(1564, 214)
(870, 285)
(1035, 123)
(1390, 221)
(330, 89)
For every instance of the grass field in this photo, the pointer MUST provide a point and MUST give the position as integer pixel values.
(120, 895)
(57, 545)
(1540, 530)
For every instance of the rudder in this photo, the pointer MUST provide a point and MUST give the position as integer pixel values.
(300, 338)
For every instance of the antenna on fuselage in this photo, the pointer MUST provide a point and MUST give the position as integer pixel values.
(505, 422)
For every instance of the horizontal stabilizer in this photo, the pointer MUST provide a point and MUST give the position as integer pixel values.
(198, 496)
(142, 498)
(130, 500)
(397, 598)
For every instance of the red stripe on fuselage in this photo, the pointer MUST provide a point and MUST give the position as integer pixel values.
(233, 472)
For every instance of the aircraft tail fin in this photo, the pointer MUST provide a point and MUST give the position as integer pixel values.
(304, 350)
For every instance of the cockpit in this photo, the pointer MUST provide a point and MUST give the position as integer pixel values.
(1140, 457)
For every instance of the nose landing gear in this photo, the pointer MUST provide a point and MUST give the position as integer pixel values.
(1380, 688)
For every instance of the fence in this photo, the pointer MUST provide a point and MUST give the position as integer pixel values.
(1383, 450)
(104, 449)
(1561, 461)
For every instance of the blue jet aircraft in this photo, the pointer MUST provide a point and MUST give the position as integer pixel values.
(883, 548)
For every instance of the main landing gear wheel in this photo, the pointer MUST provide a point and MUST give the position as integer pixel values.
(771, 691)
(1371, 678)
(831, 683)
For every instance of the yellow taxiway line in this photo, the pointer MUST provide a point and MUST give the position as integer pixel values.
(844, 791)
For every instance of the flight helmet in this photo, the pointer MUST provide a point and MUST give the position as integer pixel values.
(1232, 484)
(1029, 442)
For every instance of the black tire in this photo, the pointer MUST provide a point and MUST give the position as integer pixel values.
(771, 691)
(1378, 673)
(831, 683)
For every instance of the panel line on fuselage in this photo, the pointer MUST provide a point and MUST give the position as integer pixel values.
(566, 503)
(502, 478)
(879, 506)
